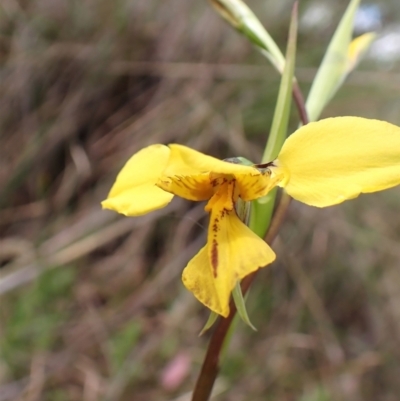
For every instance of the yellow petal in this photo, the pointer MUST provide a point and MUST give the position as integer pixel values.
(357, 48)
(336, 159)
(233, 251)
(254, 186)
(196, 187)
(223, 199)
(134, 192)
(185, 161)
(194, 175)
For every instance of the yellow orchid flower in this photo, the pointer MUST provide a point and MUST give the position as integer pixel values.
(321, 164)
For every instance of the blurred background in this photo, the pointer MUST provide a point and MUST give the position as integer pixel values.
(91, 303)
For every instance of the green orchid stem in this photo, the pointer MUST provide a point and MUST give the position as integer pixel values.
(210, 368)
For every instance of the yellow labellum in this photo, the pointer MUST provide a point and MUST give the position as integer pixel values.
(236, 253)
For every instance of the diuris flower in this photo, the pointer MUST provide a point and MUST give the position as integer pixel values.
(233, 251)
(321, 164)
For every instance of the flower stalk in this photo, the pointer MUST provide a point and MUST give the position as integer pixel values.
(262, 212)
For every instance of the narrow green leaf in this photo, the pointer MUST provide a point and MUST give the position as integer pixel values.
(210, 321)
(332, 70)
(240, 305)
(262, 208)
(239, 15)
(281, 116)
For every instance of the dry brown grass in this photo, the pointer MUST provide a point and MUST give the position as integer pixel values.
(92, 307)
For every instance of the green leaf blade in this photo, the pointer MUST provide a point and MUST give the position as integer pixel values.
(332, 70)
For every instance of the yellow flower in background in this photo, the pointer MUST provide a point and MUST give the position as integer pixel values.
(321, 164)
